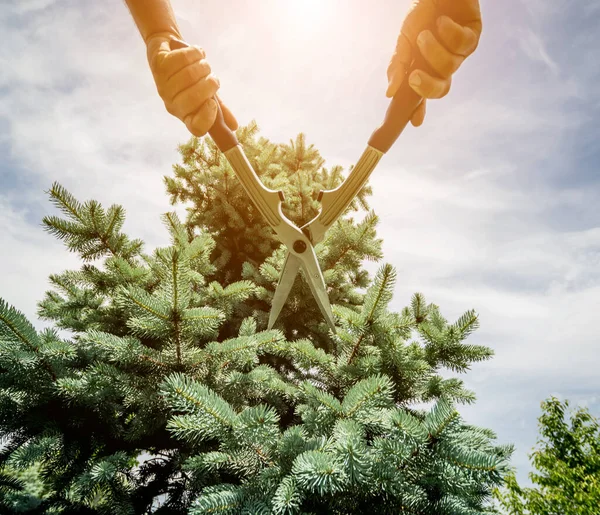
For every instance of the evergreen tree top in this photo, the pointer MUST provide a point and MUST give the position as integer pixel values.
(168, 395)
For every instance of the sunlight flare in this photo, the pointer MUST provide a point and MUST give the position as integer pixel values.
(306, 16)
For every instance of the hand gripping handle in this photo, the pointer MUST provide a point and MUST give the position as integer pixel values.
(401, 108)
(267, 201)
(221, 134)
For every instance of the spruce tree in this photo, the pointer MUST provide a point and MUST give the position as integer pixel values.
(158, 389)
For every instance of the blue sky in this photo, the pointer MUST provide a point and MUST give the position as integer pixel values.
(492, 205)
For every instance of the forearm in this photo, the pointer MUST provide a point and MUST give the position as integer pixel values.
(153, 17)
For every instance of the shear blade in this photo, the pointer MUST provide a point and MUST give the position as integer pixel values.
(284, 286)
(314, 277)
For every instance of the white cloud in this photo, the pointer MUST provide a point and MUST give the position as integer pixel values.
(22, 7)
(532, 44)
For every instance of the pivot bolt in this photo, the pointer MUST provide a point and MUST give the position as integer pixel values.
(299, 246)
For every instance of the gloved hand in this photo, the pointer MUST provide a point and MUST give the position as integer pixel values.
(185, 83)
(446, 32)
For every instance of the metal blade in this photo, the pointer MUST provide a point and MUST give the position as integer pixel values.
(314, 277)
(286, 281)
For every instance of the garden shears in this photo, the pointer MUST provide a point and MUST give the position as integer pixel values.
(300, 241)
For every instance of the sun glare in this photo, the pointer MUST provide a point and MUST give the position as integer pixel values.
(306, 15)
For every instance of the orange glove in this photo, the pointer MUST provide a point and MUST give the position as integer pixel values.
(446, 32)
(186, 85)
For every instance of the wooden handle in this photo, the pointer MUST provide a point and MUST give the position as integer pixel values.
(401, 108)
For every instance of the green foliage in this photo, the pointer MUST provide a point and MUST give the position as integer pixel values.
(567, 466)
(362, 450)
(158, 389)
(245, 245)
(22, 490)
(88, 229)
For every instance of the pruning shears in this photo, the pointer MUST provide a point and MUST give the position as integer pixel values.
(300, 241)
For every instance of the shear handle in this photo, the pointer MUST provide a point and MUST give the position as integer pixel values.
(401, 108)
(221, 134)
